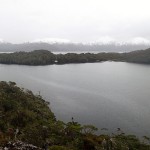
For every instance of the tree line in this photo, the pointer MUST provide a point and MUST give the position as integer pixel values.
(44, 57)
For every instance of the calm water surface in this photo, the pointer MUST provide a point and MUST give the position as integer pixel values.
(109, 94)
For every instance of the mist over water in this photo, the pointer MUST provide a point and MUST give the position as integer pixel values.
(109, 94)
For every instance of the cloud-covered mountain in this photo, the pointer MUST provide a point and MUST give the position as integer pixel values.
(51, 40)
(63, 45)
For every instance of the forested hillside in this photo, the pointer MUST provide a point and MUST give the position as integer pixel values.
(27, 118)
(44, 57)
(38, 57)
(142, 56)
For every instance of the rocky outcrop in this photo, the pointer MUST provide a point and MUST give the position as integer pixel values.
(19, 145)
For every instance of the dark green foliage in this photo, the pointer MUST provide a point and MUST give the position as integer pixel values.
(86, 57)
(37, 57)
(44, 57)
(21, 109)
(129, 142)
(141, 56)
(56, 147)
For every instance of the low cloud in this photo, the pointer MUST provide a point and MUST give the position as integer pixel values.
(106, 40)
(52, 40)
(1, 40)
(133, 41)
(139, 40)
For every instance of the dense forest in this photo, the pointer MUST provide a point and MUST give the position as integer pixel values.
(44, 57)
(142, 56)
(27, 119)
(38, 57)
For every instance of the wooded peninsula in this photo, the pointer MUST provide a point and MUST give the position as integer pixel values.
(45, 57)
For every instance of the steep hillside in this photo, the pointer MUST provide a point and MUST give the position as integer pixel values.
(26, 119)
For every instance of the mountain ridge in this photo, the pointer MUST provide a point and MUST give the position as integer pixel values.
(71, 47)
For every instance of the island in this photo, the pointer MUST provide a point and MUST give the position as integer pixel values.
(45, 57)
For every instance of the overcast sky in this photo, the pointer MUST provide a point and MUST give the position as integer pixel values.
(75, 20)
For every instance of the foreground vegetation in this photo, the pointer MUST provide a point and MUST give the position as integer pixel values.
(28, 118)
(44, 57)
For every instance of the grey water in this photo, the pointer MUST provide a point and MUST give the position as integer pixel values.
(108, 95)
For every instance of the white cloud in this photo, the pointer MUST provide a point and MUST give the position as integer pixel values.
(52, 40)
(77, 20)
(1, 40)
(139, 40)
(134, 41)
(106, 40)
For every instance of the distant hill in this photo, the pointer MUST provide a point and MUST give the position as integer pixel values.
(71, 47)
(141, 56)
(45, 57)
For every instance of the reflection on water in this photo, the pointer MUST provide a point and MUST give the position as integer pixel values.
(109, 94)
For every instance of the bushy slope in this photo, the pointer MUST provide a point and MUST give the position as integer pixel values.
(28, 118)
(23, 111)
